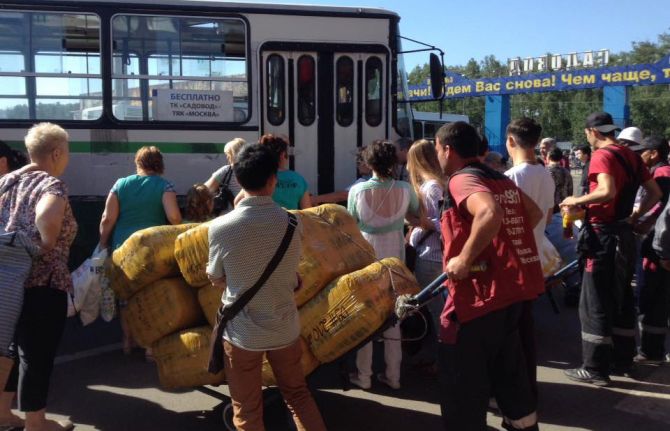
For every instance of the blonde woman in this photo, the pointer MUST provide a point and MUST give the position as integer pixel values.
(34, 200)
(144, 199)
(425, 175)
(224, 178)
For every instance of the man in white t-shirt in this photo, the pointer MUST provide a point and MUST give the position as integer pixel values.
(535, 180)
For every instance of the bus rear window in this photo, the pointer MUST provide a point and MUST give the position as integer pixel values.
(170, 68)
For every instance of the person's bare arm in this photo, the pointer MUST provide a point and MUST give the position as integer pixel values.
(109, 218)
(329, 198)
(305, 201)
(171, 207)
(49, 215)
(651, 197)
(604, 192)
(487, 219)
(212, 185)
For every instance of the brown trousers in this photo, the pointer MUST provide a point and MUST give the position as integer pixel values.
(243, 373)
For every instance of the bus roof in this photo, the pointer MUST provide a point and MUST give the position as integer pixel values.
(238, 6)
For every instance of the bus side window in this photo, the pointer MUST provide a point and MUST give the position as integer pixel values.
(345, 91)
(373, 91)
(52, 66)
(306, 90)
(275, 90)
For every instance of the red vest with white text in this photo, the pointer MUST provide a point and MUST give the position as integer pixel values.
(513, 271)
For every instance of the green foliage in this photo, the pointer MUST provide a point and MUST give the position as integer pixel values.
(562, 114)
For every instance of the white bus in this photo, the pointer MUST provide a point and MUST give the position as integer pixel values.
(426, 123)
(187, 76)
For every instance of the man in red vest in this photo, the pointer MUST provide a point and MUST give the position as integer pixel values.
(488, 222)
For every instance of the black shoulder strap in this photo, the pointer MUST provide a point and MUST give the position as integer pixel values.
(477, 169)
(244, 299)
(623, 162)
(227, 178)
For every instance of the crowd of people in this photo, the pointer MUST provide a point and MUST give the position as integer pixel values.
(456, 204)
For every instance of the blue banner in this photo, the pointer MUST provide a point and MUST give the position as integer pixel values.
(457, 86)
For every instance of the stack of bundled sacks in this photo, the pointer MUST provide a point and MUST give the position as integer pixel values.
(345, 297)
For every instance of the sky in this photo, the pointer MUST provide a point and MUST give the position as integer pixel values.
(520, 28)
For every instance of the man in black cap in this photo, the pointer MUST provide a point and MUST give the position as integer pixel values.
(654, 299)
(607, 248)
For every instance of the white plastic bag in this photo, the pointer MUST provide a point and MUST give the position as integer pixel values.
(549, 257)
(87, 287)
(107, 299)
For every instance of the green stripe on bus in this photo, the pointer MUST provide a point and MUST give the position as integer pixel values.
(132, 147)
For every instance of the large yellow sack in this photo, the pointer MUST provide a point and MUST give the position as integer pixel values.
(182, 359)
(209, 298)
(307, 360)
(146, 256)
(191, 249)
(353, 307)
(332, 245)
(162, 308)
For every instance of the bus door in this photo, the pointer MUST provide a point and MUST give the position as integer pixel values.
(328, 103)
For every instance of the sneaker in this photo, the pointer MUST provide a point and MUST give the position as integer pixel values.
(641, 358)
(382, 378)
(355, 379)
(585, 376)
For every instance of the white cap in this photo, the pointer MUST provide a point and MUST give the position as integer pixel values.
(632, 134)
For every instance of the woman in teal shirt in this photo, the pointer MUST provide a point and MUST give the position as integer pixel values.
(291, 190)
(137, 202)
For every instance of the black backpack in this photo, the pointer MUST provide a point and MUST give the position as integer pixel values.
(224, 198)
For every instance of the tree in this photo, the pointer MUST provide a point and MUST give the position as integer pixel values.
(562, 114)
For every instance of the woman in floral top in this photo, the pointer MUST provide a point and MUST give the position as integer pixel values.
(34, 201)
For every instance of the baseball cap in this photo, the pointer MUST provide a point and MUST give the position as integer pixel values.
(651, 143)
(631, 134)
(602, 122)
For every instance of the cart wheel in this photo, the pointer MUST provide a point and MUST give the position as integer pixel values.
(227, 417)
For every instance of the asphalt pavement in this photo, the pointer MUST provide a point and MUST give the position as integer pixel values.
(101, 389)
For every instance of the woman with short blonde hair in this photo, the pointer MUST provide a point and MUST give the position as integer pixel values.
(33, 200)
(222, 184)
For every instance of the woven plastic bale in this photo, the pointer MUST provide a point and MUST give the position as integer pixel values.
(332, 245)
(353, 307)
(146, 256)
(191, 250)
(209, 298)
(307, 360)
(162, 308)
(182, 359)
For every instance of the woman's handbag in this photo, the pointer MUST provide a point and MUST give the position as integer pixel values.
(410, 251)
(16, 255)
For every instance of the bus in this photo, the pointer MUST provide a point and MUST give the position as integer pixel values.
(188, 76)
(425, 124)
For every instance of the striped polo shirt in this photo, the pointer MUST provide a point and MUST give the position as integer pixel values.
(241, 243)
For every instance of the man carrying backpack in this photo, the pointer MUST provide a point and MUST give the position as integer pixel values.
(607, 247)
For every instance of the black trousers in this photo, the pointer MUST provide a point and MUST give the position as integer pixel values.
(654, 308)
(486, 359)
(38, 334)
(607, 305)
(527, 338)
